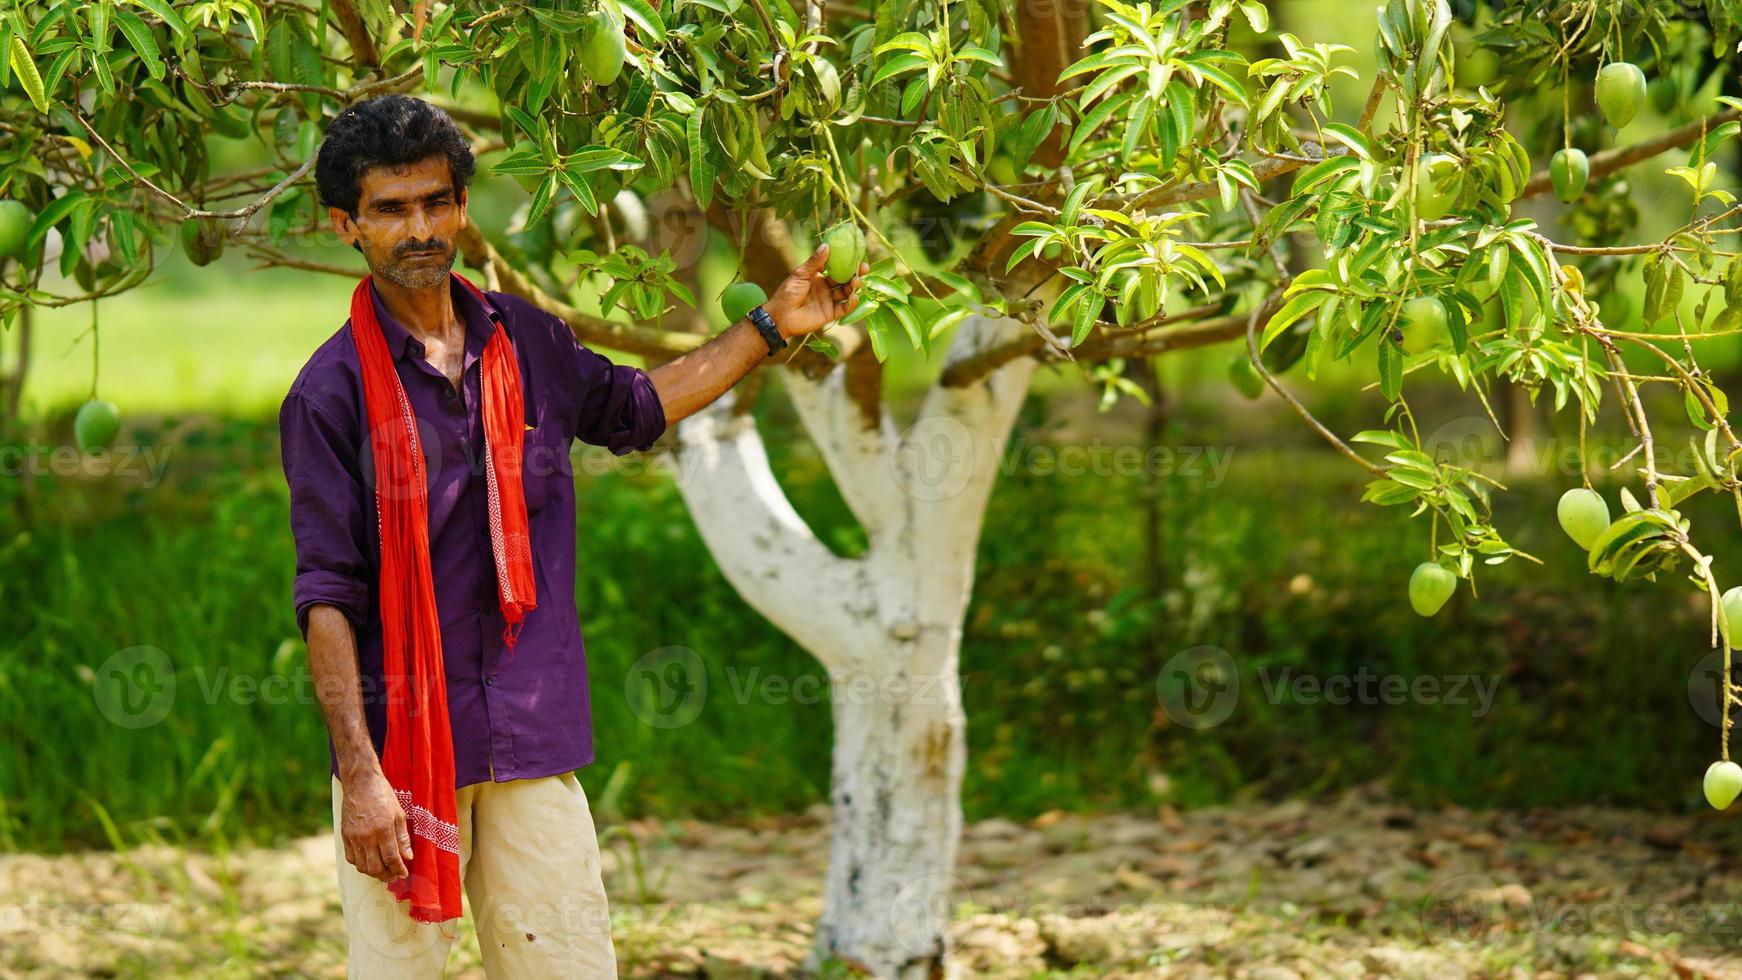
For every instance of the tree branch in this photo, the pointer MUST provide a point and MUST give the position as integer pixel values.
(356, 33)
(629, 338)
(1611, 160)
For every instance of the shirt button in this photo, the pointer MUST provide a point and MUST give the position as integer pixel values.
(448, 390)
(489, 680)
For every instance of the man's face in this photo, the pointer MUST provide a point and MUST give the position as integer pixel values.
(407, 221)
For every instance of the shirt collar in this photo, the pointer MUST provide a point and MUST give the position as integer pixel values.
(477, 314)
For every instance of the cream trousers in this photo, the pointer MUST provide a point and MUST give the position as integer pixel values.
(529, 861)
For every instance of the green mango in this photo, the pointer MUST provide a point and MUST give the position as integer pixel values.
(846, 251)
(603, 48)
(1665, 94)
(739, 299)
(1430, 585)
(15, 221)
(1568, 172)
(96, 424)
(1583, 515)
(1620, 92)
(1424, 320)
(202, 239)
(1731, 615)
(1245, 377)
(1723, 783)
(1439, 179)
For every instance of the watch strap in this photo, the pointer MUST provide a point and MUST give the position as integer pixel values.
(765, 326)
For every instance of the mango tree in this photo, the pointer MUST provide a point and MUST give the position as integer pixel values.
(1072, 185)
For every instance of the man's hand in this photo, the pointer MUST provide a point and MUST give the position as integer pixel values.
(372, 824)
(809, 301)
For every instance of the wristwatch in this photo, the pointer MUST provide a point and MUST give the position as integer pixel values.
(765, 326)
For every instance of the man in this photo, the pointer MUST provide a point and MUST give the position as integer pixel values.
(426, 446)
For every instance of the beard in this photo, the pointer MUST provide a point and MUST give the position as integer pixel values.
(419, 272)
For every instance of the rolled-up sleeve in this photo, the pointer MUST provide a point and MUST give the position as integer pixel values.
(327, 512)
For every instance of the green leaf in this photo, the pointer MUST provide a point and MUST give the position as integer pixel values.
(590, 158)
(58, 70)
(701, 170)
(1297, 306)
(1066, 298)
(1086, 310)
(1229, 85)
(1707, 146)
(1256, 15)
(167, 14)
(647, 20)
(28, 76)
(1095, 119)
(899, 65)
(524, 162)
(528, 124)
(1351, 137)
(1316, 174)
(541, 199)
(878, 327)
(1137, 124)
(126, 232)
(140, 37)
(1379, 437)
(1390, 369)
(581, 189)
(57, 209)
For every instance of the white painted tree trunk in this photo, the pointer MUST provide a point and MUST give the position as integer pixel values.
(887, 625)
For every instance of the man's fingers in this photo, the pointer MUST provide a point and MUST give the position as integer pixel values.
(842, 290)
(368, 860)
(391, 862)
(402, 835)
(816, 260)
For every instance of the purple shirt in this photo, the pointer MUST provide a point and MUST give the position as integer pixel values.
(516, 716)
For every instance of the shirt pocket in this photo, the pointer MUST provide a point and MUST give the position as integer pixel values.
(545, 458)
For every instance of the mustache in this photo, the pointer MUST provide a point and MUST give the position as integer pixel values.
(433, 246)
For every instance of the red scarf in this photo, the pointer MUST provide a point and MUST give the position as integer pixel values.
(419, 756)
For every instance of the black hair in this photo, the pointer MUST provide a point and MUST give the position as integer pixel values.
(389, 130)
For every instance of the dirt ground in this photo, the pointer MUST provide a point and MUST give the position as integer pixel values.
(1353, 887)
